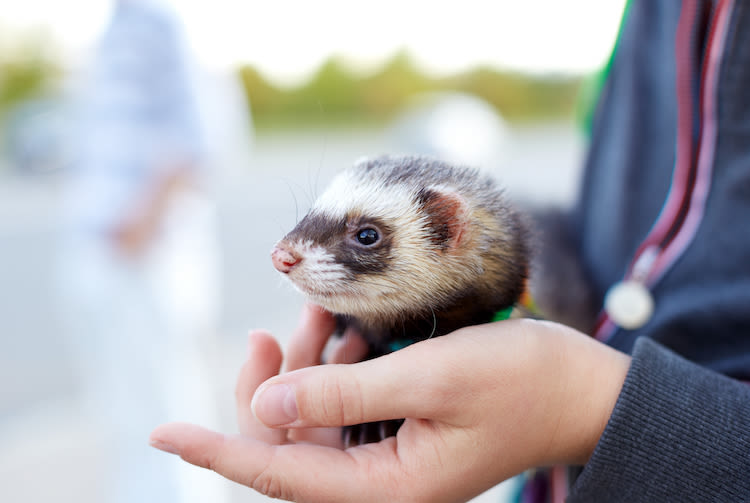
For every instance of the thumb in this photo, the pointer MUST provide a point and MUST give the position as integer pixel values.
(389, 387)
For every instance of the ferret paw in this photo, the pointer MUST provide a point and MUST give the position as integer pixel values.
(366, 433)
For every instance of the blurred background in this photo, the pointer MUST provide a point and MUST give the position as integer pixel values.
(151, 153)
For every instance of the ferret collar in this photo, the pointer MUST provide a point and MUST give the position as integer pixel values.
(400, 344)
(501, 315)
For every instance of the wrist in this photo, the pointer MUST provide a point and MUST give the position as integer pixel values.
(595, 375)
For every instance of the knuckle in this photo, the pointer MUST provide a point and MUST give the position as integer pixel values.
(333, 407)
(206, 458)
(268, 484)
(271, 482)
(395, 483)
(340, 402)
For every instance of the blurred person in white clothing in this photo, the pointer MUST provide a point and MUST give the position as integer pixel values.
(139, 269)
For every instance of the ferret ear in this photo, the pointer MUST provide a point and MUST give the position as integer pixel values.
(447, 216)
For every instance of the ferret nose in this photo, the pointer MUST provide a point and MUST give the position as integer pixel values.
(284, 259)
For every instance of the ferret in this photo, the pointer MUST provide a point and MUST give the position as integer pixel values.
(404, 248)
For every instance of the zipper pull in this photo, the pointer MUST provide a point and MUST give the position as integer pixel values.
(629, 302)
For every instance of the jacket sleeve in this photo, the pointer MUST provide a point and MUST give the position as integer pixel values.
(678, 432)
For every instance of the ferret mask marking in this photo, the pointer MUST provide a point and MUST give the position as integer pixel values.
(336, 237)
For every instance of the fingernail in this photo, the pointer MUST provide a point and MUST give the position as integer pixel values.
(276, 405)
(163, 446)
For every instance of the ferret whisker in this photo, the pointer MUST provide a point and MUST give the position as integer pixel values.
(309, 190)
(294, 198)
(279, 225)
(317, 181)
(323, 153)
(320, 167)
(434, 323)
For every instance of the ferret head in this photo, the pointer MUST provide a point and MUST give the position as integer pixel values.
(394, 237)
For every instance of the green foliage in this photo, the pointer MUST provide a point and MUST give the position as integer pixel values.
(26, 72)
(384, 92)
(517, 96)
(20, 80)
(335, 94)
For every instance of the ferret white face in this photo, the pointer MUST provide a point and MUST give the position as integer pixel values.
(372, 247)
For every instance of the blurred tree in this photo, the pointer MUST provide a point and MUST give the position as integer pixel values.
(266, 98)
(384, 92)
(335, 94)
(26, 70)
(332, 94)
(518, 96)
(27, 75)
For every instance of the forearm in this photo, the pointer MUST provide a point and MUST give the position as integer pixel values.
(164, 189)
(142, 222)
(677, 433)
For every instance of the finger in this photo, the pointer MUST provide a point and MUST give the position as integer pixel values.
(292, 472)
(389, 387)
(263, 362)
(308, 340)
(350, 348)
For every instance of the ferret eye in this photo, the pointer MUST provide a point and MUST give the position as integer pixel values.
(367, 236)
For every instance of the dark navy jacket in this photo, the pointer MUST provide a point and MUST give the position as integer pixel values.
(669, 169)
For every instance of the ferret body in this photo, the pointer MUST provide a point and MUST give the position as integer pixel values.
(404, 248)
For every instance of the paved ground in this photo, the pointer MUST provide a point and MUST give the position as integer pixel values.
(47, 451)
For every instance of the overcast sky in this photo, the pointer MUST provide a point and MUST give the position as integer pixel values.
(287, 39)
